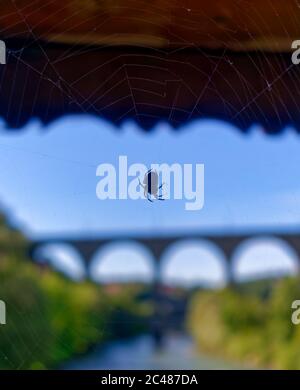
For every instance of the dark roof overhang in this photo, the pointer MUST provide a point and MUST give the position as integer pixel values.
(228, 60)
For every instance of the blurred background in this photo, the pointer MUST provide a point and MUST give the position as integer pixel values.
(129, 284)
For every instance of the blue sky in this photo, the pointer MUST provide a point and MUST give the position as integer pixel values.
(48, 177)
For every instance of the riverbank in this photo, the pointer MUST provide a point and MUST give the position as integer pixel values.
(250, 323)
(50, 319)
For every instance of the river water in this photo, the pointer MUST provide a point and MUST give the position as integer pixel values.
(140, 353)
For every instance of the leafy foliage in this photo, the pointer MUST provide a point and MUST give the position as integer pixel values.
(248, 325)
(50, 318)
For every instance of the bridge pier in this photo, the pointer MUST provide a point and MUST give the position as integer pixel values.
(157, 326)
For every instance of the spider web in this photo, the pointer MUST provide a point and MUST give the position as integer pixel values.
(178, 83)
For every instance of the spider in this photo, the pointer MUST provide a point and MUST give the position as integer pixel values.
(150, 185)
